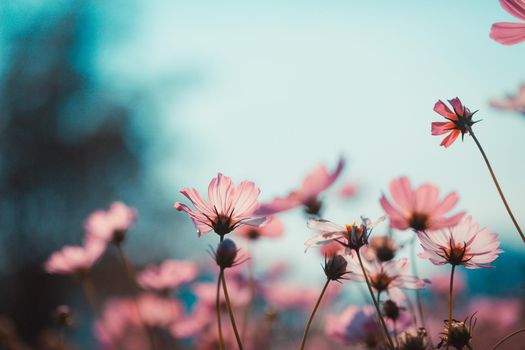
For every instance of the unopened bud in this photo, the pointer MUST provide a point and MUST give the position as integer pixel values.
(226, 253)
(391, 310)
(335, 267)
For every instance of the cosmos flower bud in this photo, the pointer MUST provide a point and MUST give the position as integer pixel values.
(226, 254)
(335, 267)
(414, 341)
(64, 316)
(391, 310)
(458, 334)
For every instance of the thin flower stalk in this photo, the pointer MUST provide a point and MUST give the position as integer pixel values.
(504, 339)
(309, 323)
(218, 311)
(381, 320)
(230, 311)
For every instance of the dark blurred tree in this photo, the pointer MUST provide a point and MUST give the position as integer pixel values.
(64, 151)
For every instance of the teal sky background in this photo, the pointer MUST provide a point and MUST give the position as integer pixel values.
(276, 87)
(284, 85)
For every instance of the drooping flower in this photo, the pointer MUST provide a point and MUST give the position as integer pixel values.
(510, 33)
(514, 103)
(271, 228)
(75, 259)
(307, 195)
(384, 275)
(419, 209)
(355, 326)
(464, 244)
(228, 206)
(351, 236)
(168, 275)
(112, 225)
(459, 122)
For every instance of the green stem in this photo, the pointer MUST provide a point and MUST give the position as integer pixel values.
(230, 312)
(309, 323)
(450, 299)
(497, 185)
(218, 309)
(381, 320)
(504, 339)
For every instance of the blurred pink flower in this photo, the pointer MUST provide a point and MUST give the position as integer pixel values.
(512, 102)
(419, 209)
(384, 275)
(271, 228)
(313, 184)
(168, 275)
(459, 121)
(228, 206)
(499, 314)
(465, 244)
(348, 190)
(75, 259)
(111, 225)
(508, 33)
(440, 283)
(122, 322)
(285, 296)
(331, 249)
(239, 292)
(355, 326)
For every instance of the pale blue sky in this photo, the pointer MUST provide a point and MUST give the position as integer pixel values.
(284, 85)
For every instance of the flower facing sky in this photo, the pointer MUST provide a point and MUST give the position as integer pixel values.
(459, 121)
(419, 209)
(168, 275)
(352, 236)
(111, 225)
(509, 33)
(465, 244)
(308, 194)
(75, 259)
(384, 275)
(228, 206)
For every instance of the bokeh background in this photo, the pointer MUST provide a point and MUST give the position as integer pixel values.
(132, 100)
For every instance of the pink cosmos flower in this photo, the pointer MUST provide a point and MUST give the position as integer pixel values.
(121, 325)
(75, 259)
(271, 228)
(111, 225)
(420, 208)
(496, 314)
(464, 244)
(285, 296)
(384, 275)
(459, 122)
(511, 102)
(355, 326)
(307, 195)
(168, 275)
(228, 206)
(508, 33)
(351, 236)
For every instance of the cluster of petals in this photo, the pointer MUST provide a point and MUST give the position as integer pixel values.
(458, 121)
(384, 276)
(464, 244)
(510, 33)
(227, 208)
(106, 224)
(168, 275)
(123, 319)
(511, 102)
(75, 259)
(271, 228)
(420, 208)
(307, 194)
(355, 326)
